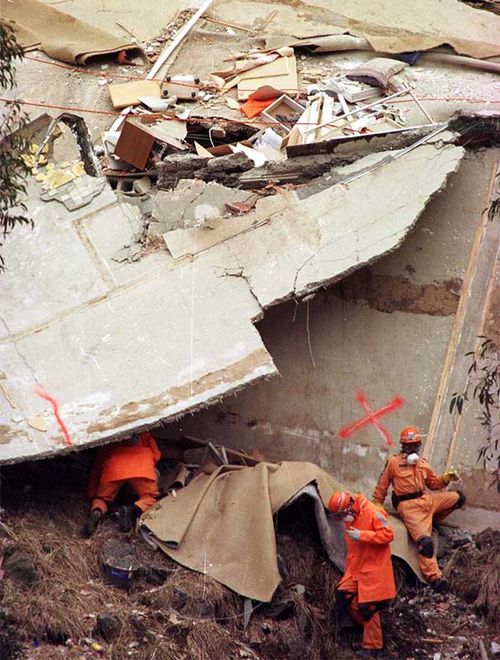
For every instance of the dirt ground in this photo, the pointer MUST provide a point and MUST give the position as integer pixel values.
(56, 601)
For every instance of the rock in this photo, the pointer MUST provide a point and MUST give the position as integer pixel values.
(108, 627)
(238, 162)
(223, 169)
(18, 566)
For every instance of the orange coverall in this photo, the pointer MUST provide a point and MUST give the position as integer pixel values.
(368, 577)
(418, 513)
(116, 465)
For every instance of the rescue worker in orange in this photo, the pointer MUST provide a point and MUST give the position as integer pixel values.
(132, 462)
(367, 585)
(410, 476)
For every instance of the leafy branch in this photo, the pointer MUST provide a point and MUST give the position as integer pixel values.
(13, 142)
(483, 385)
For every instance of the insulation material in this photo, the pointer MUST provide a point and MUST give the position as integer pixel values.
(59, 35)
(222, 525)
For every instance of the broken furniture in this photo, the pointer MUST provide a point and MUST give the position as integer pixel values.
(284, 112)
(137, 140)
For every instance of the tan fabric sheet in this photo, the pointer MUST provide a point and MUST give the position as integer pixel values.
(60, 35)
(390, 26)
(221, 524)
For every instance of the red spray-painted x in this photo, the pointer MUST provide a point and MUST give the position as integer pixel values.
(372, 418)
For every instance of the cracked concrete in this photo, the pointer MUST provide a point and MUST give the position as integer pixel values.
(125, 345)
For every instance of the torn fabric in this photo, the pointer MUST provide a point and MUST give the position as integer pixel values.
(221, 524)
(390, 26)
(59, 35)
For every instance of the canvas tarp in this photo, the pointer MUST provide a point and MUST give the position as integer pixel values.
(59, 35)
(222, 525)
(390, 26)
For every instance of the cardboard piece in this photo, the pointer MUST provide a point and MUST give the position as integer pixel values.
(280, 74)
(124, 95)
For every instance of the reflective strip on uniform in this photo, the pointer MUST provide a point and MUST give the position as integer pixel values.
(382, 519)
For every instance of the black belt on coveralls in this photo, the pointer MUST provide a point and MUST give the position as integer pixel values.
(396, 499)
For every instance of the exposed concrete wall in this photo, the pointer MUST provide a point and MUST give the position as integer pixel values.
(384, 330)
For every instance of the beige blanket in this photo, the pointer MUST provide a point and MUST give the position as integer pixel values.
(221, 524)
(60, 35)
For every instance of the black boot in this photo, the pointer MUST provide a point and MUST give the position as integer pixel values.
(440, 585)
(368, 653)
(92, 523)
(127, 517)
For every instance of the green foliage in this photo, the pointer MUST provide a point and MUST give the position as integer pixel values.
(483, 384)
(13, 142)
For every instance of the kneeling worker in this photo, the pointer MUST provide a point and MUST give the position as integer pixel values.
(130, 462)
(409, 475)
(367, 585)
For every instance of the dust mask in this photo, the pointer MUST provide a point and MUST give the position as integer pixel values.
(348, 518)
(412, 459)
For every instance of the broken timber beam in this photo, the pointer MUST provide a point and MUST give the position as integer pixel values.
(177, 40)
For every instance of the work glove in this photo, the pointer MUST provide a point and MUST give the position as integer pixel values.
(450, 475)
(354, 534)
(379, 505)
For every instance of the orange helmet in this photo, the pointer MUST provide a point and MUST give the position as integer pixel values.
(339, 501)
(409, 434)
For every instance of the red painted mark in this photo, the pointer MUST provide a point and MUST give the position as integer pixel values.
(55, 407)
(372, 418)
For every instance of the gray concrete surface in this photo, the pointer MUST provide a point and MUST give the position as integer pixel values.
(124, 345)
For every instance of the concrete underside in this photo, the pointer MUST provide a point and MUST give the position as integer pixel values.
(122, 345)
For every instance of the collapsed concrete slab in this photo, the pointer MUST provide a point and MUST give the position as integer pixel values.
(124, 345)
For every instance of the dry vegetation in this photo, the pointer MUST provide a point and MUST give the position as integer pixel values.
(56, 595)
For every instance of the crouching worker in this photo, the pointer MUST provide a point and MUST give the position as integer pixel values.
(410, 474)
(131, 462)
(367, 585)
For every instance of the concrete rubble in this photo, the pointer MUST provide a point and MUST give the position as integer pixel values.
(187, 325)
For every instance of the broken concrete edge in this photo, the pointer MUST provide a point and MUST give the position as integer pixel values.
(145, 425)
(315, 286)
(312, 287)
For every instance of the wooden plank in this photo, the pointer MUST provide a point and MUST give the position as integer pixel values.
(165, 54)
(127, 94)
(444, 428)
(280, 74)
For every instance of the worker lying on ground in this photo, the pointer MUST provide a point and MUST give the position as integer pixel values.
(409, 475)
(367, 585)
(132, 462)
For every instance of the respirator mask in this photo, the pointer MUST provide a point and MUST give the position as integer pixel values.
(412, 453)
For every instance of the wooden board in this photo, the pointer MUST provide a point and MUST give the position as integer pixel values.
(280, 74)
(127, 94)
